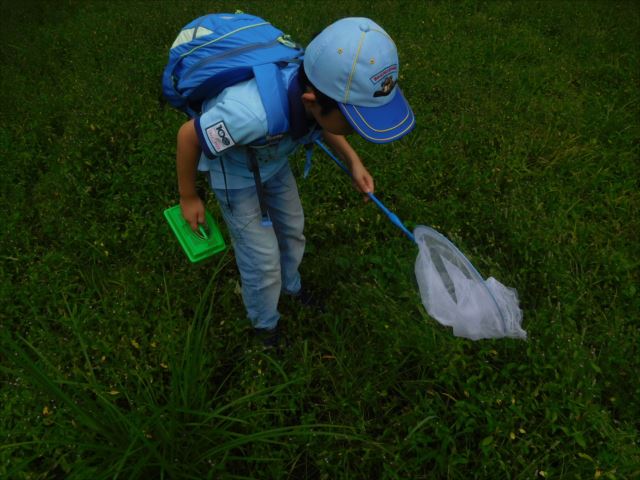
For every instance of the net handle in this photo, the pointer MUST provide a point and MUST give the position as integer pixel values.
(392, 216)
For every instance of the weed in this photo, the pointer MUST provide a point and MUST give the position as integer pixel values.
(122, 360)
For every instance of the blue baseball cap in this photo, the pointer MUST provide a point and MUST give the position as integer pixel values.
(355, 62)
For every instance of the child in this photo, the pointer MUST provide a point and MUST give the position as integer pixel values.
(348, 81)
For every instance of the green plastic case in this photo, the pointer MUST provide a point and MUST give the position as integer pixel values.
(197, 246)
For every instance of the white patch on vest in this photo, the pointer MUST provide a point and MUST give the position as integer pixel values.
(219, 137)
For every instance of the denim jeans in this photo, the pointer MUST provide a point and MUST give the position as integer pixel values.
(267, 257)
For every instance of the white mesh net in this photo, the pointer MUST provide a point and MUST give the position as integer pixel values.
(455, 294)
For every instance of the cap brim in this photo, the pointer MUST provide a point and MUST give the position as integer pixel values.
(382, 124)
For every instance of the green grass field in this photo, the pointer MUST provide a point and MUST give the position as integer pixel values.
(120, 359)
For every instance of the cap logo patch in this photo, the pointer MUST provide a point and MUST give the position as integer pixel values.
(385, 72)
(386, 87)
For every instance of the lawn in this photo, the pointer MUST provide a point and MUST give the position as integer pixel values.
(120, 359)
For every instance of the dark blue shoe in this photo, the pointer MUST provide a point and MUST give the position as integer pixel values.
(270, 338)
(310, 299)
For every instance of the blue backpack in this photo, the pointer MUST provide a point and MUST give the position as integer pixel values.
(216, 51)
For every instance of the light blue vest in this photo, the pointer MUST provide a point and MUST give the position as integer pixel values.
(233, 120)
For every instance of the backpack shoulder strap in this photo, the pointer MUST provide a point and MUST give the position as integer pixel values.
(274, 99)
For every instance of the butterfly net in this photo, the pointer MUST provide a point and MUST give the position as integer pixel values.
(456, 295)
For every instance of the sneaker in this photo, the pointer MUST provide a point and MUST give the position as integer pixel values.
(309, 298)
(270, 338)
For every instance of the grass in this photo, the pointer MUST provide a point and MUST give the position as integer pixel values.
(121, 360)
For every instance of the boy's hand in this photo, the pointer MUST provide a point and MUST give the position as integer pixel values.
(362, 179)
(187, 154)
(192, 211)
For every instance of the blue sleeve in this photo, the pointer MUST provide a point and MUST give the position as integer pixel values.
(226, 124)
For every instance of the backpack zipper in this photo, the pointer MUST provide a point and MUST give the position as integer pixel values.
(230, 53)
(223, 36)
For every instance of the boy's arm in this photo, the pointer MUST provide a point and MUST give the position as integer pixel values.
(362, 180)
(187, 155)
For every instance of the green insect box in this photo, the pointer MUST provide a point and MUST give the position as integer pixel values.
(204, 243)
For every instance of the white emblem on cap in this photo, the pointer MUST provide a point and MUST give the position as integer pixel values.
(385, 72)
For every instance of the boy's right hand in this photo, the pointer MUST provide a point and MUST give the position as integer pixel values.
(192, 211)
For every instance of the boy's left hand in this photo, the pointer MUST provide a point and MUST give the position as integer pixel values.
(362, 179)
